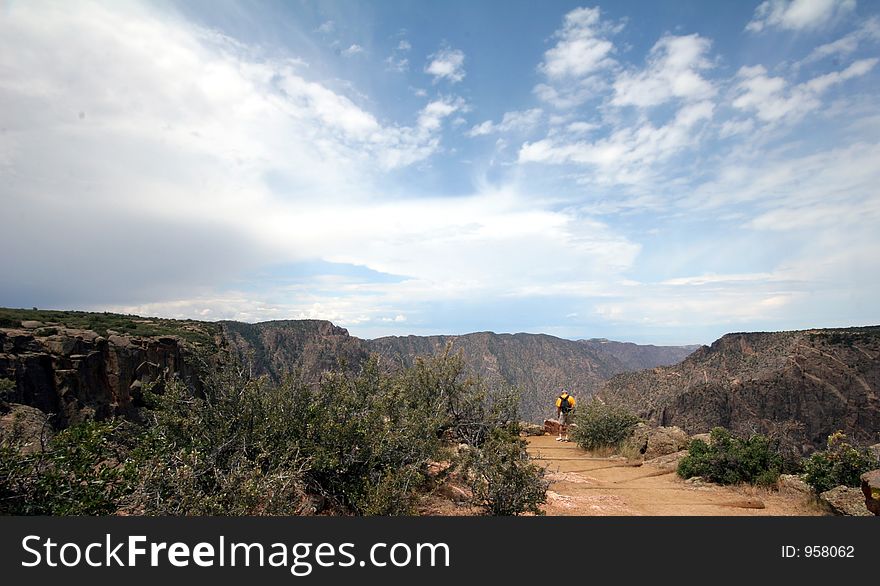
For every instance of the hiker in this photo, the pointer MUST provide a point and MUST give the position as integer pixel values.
(564, 406)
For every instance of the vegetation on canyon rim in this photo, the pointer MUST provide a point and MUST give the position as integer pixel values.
(355, 443)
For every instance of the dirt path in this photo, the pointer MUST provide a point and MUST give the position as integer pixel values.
(582, 484)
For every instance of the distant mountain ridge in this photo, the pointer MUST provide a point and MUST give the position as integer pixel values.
(823, 380)
(536, 364)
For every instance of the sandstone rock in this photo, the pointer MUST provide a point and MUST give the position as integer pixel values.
(438, 468)
(551, 426)
(843, 500)
(657, 441)
(702, 436)
(30, 324)
(669, 461)
(875, 450)
(871, 490)
(531, 429)
(794, 483)
(454, 493)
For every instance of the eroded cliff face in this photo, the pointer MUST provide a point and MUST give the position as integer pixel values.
(75, 374)
(821, 380)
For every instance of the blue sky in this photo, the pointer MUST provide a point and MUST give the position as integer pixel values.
(654, 171)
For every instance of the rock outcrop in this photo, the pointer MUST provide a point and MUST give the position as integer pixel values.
(652, 442)
(75, 374)
(871, 490)
(843, 500)
(808, 383)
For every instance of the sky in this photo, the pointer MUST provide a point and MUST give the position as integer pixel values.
(657, 172)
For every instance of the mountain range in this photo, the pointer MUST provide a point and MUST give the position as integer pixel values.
(810, 383)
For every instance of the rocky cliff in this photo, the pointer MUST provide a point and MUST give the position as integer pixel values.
(77, 364)
(817, 380)
(75, 373)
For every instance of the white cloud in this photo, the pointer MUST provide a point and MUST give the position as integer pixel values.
(327, 27)
(735, 127)
(446, 64)
(573, 66)
(626, 154)
(144, 129)
(581, 48)
(771, 98)
(581, 127)
(398, 64)
(353, 50)
(798, 14)
(516, 121)
(673, 71)
(398, 61)
(867, 31)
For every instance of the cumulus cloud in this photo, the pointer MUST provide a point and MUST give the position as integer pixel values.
(446, 64)
(772, 98)
(574, 64)
(672, 71)
(516, 121)
(798, 15)
(626, 154)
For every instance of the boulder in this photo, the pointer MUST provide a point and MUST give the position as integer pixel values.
(794, 483)
(669, 461)
(843, 500)
(531, 429)
(26, 427)
(30, 324)
(871, 490)
(551, 426)
(454, 493)
(653, 442)
(706, 437)
(875, 450)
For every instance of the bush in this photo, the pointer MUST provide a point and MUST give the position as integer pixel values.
(503, 480)
(229, 451)
(242, 446)
(731, 460)
(600, 425)
(80, 472)
(840, 464)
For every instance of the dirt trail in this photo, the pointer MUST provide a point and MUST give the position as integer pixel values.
(582, 484)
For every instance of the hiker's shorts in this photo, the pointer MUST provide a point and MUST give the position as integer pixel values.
(565, 418)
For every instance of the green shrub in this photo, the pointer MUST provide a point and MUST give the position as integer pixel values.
(840, 464)
(503, 480)
(229, 451)
(599, 425)
(727, 459)
(242, 446)
(82, 471)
